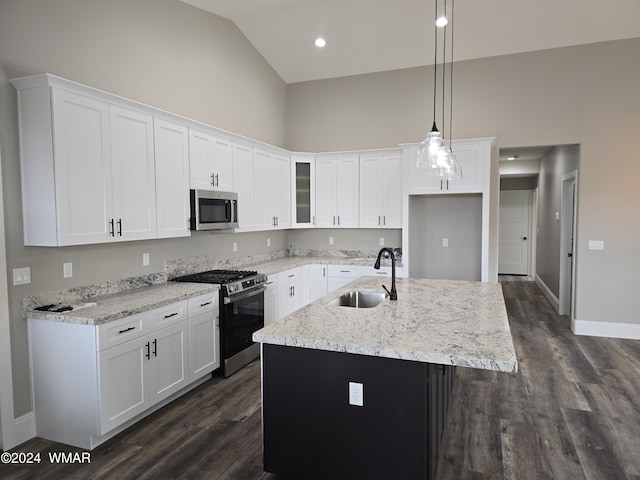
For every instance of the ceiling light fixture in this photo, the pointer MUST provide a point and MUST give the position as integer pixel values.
(441, 21)
(320, 42)
(433, 154)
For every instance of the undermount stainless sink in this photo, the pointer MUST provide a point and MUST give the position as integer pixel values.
(359, 299)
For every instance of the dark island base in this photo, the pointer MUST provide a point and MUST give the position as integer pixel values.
(311, 431)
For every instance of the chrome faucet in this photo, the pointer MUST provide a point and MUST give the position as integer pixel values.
(393, 294)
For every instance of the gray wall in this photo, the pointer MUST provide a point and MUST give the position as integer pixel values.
(458, 218)
(585, 95)
(557, 162)
(160, 52)
(521, 183)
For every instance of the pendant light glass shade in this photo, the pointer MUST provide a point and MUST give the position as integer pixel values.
(429, 151)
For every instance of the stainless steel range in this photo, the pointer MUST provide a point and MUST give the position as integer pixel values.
(241, 313)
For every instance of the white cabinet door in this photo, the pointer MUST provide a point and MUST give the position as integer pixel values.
(204, 345)
(392, 190)
(281, 190)
(371, 194)
(317, 282)
(272, 190)
(347, 181)
(210, 161)
(243, 185)
(133, 173)
(326, 191)
(264, 218)
(82, 168)
(172, 178)
(169, 352)
(290, 297)
(303, 191)
(123, 373)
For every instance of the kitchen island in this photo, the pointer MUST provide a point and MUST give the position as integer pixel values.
(363, 392)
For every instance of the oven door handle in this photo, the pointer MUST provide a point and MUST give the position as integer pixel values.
(250, 293)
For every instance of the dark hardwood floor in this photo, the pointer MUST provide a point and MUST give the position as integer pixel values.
(571, 412)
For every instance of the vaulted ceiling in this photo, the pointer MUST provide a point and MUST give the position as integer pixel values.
(365, 36)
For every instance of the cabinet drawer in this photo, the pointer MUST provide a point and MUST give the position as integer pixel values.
(351, 271)
(120, 331)
(289, 276)
(168, 315)
(383, 272)
(203, 304)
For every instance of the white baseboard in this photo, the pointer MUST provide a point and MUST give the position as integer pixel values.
(553, 300)
(24, 428)
(605, 329)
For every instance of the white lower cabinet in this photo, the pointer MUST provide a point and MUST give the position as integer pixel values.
(89, 381)
(271, 300)
(290, 291)
(317, 282)
(204, 335)
(340, 275)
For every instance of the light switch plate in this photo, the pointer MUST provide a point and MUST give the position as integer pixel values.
(235, 246)
(381, 241)
(331, 241)
(445, 242)
(145, 259)
(67, 269)
(21, 276)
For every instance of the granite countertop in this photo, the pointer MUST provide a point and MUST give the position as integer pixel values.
(123, 304)
(434, 321)
(280, 265)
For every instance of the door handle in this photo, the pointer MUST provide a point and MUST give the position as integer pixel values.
(523, 238)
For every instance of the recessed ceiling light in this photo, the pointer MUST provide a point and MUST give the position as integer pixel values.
(513, 157)
(320, 42)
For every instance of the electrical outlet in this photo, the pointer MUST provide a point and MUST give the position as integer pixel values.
(382, 241)
(356, 394)
(331, 241)
(145, 259)
(445, 242)
(596, 244)
(21, 276)
(67, 270)
(235, 246)
(268, 242)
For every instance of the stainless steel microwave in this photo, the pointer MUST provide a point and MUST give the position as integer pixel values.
(213, 210)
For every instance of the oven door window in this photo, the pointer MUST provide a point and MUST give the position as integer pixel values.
(213, 210)
(241, 319)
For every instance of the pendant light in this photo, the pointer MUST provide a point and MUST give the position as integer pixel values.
(434, 155)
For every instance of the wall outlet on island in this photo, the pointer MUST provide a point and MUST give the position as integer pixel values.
(382, 241)
(356, 394)
(331, 241)
(145, 259)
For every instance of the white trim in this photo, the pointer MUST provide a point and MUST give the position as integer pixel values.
(534, 232)
(568, 234)
(606, 329)
(24, 428)
(9, 428)
(553, 300)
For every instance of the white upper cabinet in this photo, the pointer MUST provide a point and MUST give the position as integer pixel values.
(172, 178)
(81, 164)
(471, 156)
(243, 184)
(133, 173)
(87, 166)
(337, 184)
(210, 161)
(303, 190)
(272, 187)
(381, 190)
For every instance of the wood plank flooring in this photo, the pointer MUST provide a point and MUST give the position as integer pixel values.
(571, 412)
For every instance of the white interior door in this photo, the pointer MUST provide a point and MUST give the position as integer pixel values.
(514, 238)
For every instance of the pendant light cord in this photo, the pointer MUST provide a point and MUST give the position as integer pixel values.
(435, 67)
(451, 87)
(444, 70)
